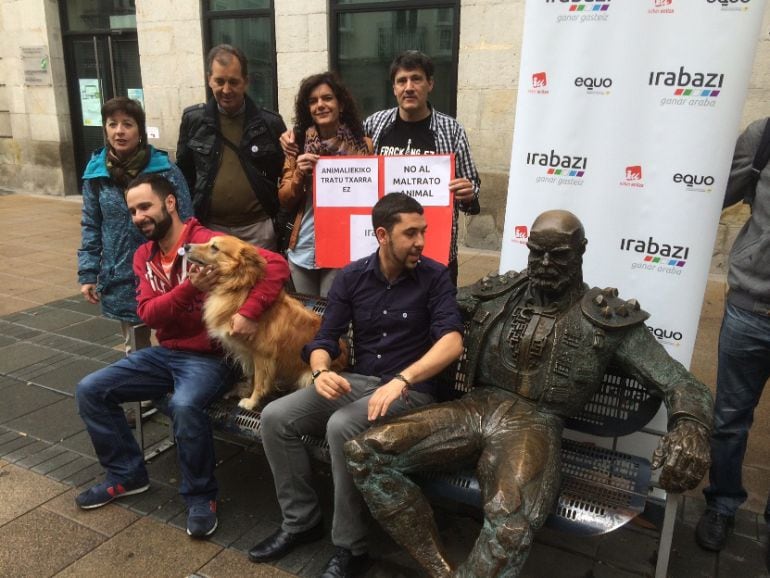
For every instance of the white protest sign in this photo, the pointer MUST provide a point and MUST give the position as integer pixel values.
(363, 241)
(425, 178)
(346, 182)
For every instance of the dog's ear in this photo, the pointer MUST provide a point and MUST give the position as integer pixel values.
(255, 260)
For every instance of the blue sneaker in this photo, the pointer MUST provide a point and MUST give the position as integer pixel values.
(202, 519)
(105, 492)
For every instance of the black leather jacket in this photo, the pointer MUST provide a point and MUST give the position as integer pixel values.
(199, 152)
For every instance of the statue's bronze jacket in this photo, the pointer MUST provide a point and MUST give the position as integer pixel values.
(555, 356)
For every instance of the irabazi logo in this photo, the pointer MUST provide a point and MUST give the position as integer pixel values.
(633, 177)
(690, 88)
(520, 234)
(594, 84)
(539, 83)
(668, 336)
(561, 169)
(582, 10)
(731, 5)
(660, 257)
(701, 183)
(661, 7)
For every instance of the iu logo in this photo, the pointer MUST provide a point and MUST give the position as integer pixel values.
(539, 80)
(634, 173)
(520, 233)
(662, 3)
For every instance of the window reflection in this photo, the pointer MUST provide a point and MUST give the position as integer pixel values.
(368, 41)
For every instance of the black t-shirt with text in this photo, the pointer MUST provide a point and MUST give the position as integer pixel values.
(408, 138)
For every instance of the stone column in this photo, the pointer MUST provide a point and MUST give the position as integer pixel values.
(488, 76)
(36, 145)
(302, 47)
(170, 35)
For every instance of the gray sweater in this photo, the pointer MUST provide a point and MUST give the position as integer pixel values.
(749, 271)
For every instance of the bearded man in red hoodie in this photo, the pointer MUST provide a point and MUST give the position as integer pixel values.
(187, 364)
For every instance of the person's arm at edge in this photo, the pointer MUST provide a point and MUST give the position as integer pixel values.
(276, 167)
(184, 157)
(90, 251)
(292, 184)
(465, 168)
(325, 347)
(743, 157)
(264, 293)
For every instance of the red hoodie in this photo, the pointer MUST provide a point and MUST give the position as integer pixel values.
(174, 307)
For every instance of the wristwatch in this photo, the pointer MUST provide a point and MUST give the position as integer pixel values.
(318, 372)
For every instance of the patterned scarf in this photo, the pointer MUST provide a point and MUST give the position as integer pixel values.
(123, 171)
(343, 143)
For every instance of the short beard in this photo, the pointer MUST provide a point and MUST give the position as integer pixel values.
(554, 286)
(160, 229)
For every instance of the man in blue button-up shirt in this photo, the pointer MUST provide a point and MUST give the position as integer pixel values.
(407, 328)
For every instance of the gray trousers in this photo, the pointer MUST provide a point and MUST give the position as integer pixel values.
(261, 233)
(312, 281)
(286, 419)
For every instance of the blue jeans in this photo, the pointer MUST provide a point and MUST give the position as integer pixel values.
(194, 381)
(743, 370)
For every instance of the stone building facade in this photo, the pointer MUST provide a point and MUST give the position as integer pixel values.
(37, 138)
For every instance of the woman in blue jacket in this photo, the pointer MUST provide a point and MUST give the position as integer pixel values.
(108, 236)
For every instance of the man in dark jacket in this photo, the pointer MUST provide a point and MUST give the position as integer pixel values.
(229, 153)
(744, 345)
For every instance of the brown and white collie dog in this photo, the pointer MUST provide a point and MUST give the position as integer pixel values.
(272, 355)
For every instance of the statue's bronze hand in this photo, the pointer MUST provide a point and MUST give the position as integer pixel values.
(684, 454)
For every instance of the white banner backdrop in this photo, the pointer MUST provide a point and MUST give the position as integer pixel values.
(627, 115)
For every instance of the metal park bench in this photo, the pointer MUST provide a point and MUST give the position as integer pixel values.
(602, 489)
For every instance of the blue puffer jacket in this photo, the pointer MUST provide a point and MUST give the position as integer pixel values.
(109, 238)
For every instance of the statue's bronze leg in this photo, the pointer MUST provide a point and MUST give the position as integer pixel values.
(378, 459)
(519, 476)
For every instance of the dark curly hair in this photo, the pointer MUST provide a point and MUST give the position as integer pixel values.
(349, 114)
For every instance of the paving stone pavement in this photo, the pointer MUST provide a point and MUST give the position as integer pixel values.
(50, 338)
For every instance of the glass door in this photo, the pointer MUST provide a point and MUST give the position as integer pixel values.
(101, 66)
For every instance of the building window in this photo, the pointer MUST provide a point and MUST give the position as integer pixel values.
(248, 25)
(367, 34)
(90, 16)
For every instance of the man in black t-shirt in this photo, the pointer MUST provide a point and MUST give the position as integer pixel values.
(415, 128)
(409, 138)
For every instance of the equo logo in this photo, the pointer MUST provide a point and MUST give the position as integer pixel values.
(593, 82)
(693, 180)
(662, 334)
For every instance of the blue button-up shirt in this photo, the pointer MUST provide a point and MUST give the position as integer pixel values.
(394, 324)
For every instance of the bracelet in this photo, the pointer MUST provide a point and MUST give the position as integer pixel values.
(405, 389)
(400, 377)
